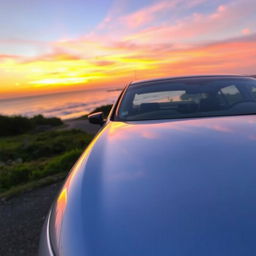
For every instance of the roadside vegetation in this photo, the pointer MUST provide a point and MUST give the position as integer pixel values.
(35, 152)
(30, 157)
(15, 125)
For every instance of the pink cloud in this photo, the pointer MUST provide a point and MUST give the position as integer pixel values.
(246, 31)
(141, 41)
(7, 58)
(221, 23)
(158, 13)
(148, 14)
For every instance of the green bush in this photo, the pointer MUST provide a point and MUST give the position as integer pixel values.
(21, 173)
(43, 154)
(31, 147)
(56, 142)
(15, 125)
(11, 176)
(41, 120)
(62, 163)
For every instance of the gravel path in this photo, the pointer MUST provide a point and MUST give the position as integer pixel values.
(21, 220)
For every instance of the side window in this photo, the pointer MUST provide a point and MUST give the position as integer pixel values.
(232, 94)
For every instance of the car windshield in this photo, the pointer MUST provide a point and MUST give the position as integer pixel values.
(187, 98)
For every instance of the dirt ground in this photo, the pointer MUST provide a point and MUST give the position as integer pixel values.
(21, 220)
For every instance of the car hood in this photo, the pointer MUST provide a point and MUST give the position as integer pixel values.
(181, 187)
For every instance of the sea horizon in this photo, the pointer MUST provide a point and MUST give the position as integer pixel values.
(65, 105)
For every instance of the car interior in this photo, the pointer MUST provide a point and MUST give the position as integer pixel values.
(193, 101)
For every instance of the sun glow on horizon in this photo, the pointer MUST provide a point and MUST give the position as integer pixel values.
(141, 44)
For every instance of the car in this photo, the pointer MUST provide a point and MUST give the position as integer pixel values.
(172, 171)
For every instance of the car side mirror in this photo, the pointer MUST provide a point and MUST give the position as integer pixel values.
(96, 118)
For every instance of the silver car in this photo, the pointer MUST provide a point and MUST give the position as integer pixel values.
(171, 172)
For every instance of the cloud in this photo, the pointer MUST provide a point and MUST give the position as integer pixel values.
(119, 23)
(148, 14)
(26, 48)
(125, 62)
(103, 63)
(246, 31)
(6, 57)
(149, 42)
(232, 56)
(222, 23)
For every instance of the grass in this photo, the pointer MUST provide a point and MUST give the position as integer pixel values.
(32, 159)
(34, 152)
(13, 191)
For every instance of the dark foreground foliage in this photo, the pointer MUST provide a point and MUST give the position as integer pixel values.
(30, 157)
(105, 109)
(30, 149)
(15, 125)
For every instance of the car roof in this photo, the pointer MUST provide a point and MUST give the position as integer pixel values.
(197, 77)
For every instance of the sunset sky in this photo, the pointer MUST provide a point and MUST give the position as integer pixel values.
(59, 45)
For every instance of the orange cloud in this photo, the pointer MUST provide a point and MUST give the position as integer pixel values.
(138, 46)
(124, 63)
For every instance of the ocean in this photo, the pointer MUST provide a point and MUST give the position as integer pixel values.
(64, 105)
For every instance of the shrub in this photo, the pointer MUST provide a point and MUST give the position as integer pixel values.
(41, 120)
(32, 156)
(105, 109)
(31, 147)
(11, 176)
(21, 173)
(62, 163)
(52, 143)
(15, 125)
